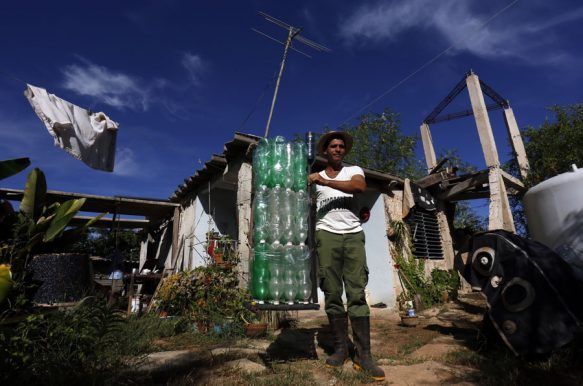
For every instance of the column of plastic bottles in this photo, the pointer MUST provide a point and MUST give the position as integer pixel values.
(281, 260)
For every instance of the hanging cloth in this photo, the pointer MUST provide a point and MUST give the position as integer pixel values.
(89, 137)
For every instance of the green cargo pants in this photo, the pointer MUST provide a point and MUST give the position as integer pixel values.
(342, 263)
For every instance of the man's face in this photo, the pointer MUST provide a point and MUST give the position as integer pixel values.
(336, 150)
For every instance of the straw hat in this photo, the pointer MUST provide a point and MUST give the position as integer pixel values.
(327, 137)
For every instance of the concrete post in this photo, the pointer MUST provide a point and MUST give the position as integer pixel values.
(428, 148)
(482, 121)
(516, 140)
(244, 188)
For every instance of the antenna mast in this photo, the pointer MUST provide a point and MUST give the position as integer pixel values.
(293, 33)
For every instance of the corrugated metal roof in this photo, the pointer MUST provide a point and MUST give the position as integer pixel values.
(240, 146)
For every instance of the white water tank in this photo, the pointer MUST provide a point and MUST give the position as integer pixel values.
(554, 211)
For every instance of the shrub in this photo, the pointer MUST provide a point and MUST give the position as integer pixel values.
(86, 344)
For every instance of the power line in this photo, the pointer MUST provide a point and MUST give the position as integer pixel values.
(423, 66)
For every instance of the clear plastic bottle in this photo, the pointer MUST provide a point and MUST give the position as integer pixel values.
(300, 218)
(273, 218)
(289, 273)
(303, 274)
(286, 215)
(275, 259)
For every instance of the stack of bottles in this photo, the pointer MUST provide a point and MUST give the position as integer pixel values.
(281, 260)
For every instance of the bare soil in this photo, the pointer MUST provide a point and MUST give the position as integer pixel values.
(446, 347)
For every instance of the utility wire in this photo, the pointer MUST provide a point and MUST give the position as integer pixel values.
(252, 111)
(426, 64)
(10, 76)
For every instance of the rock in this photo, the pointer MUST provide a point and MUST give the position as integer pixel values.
(235, 351)
(168, 361)
(245, 365)
(259, 344)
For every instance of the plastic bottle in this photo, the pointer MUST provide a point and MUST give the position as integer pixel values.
(275, 273)
(278, 160)
(260, 216)
(273, 218)
(300, 218)
(289, 273)
(300, 166)
(261, 164)
(286, 215)
(303, 275)
(260, 273)
(288, 166)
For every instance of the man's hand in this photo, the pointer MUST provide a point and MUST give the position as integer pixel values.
(316, 178)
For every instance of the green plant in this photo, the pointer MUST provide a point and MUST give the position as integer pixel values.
(207, 296)
(411, 271)
(89, 343)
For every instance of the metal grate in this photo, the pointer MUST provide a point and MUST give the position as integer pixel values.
(425, 234)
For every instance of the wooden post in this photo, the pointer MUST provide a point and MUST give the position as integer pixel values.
(428, 148)
(482, 121)
(175, 231)
(516, 140)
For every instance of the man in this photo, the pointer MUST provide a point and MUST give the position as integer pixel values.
(340, 247)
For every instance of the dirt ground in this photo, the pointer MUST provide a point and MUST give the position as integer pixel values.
(446, 347)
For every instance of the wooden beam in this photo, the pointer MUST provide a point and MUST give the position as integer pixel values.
(428, 148)
(512, 181)
(431, 179)
(482, 121)
(516, 140)
(106, 222)
(244, 188)
(460, 187)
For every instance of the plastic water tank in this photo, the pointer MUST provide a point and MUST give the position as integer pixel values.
(554, 210)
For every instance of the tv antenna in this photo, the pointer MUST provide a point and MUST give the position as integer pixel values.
(293, 34)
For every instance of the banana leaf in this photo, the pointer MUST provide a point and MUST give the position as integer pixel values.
(35, 192)
(13, 166)
(66, 211)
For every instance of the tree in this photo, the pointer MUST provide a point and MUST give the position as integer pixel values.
(380, 145)
(551, 150)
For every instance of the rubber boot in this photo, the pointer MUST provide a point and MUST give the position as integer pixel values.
(363, 359)
(339, 327)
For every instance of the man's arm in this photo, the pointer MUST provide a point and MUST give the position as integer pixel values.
(357, 184)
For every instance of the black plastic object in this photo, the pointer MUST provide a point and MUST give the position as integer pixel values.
(61, 277)
(533, 297)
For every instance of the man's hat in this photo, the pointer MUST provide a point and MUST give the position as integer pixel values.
(327, 137)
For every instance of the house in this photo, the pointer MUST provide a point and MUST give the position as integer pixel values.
(218, 198)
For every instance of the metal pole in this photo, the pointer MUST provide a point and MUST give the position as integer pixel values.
(292, 34)
(312, 218)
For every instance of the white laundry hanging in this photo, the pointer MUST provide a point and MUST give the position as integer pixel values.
(89, 137)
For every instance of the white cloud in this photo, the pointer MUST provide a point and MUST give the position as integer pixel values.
(112, 88)
(195, 67)
(461, 26)
(125, 162)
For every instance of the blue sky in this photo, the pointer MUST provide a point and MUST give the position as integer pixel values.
(181, 76)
